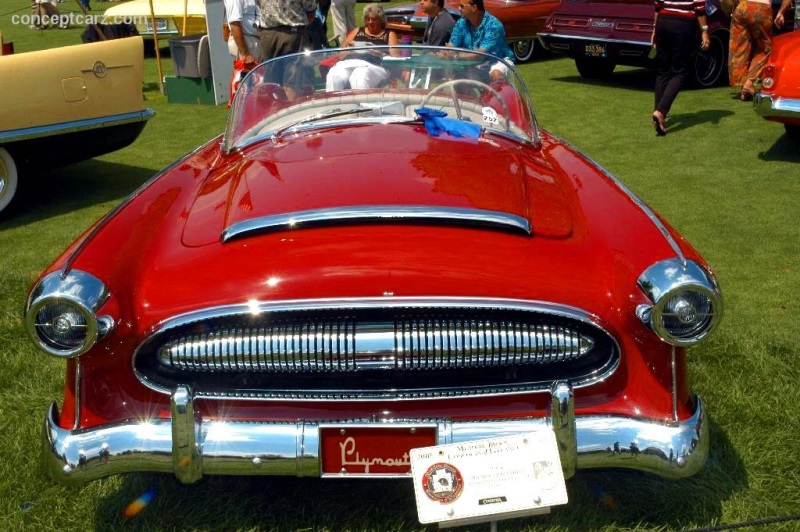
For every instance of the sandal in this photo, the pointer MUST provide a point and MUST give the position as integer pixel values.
(660, 124)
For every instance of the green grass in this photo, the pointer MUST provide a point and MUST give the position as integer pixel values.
(729, 181)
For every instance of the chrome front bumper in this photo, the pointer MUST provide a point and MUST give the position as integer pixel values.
(769, 106)
(190, 447)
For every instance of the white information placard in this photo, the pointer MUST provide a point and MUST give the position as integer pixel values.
(488, 480)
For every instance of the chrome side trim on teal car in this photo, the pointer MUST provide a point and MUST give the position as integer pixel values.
(29, 133)
(191, 447)
(377, 214)
(768, 106)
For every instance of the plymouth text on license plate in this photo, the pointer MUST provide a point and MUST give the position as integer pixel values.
(375, 451)
(596, 50)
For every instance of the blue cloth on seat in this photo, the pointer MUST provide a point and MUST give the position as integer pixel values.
(435, 122)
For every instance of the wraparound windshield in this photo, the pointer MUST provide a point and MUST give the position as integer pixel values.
(380, 84)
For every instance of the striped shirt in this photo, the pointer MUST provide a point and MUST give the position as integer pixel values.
(681, 8)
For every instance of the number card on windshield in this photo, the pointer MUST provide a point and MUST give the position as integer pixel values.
(488, 480)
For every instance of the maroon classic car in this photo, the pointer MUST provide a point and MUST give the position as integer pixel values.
(343, 276)
(522, 20)
(601, 34)
(779, 97)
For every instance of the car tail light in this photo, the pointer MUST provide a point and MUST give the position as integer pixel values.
(768, 77)
(60, 316)
(687, 302)
(635, 27)
(570, 22)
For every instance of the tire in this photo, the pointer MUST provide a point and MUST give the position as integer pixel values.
(793, 132)
(523, 50)
(9, 179)
(709, 66)
(594, 67)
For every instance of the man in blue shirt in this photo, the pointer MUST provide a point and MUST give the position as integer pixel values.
(482, 31)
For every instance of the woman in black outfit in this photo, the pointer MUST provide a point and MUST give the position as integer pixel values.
(675, 38)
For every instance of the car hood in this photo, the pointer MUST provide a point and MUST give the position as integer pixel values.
(350, 170)
(163, 255)
(161, 8)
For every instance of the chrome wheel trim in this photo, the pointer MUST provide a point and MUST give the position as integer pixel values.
(710, 65)
(9, 179)
(523, 50)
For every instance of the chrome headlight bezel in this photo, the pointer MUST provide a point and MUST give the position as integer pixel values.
(77, 295)
(671, 282)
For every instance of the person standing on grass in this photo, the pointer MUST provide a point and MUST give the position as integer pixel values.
(282, 29)
(244, 42)
(675, 39)
(750, 43)
(343, 13)
(45, 13)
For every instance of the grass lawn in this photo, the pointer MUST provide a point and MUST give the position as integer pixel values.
(729, 181)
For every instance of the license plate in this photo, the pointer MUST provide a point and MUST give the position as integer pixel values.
(371, 451)
(595, 50)
(161, 24)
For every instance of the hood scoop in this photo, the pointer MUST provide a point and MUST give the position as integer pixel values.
(375, 214)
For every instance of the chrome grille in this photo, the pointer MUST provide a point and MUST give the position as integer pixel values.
(347, 345)
(376, 349)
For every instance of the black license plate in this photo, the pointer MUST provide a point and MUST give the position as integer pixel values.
(595, 50)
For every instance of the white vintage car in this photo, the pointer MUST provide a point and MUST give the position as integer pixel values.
(68, 104)
(169, 16)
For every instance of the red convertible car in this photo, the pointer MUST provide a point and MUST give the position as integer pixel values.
(522, 19)
(345, 275)
(779, 97)
(601, 34)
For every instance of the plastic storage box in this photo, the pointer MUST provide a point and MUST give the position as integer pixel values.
(190, 56)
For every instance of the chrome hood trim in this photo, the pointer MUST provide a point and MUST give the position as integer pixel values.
(377, 214)
(654, 219)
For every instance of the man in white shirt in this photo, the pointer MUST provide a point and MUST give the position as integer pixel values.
(244, 42)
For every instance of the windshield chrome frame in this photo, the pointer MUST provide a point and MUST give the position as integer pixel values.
(231, 139)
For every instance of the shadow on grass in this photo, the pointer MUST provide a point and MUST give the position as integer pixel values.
(598, 500)
(73, 187)
(784, 149)
(677, 122)
(639, 79)
(541, 55)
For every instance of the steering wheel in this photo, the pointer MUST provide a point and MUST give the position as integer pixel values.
(451, 85)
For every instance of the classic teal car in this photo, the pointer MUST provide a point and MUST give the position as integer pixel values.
(69, 104)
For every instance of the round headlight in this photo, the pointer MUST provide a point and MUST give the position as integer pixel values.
(64, 326)
(687, 303)
(60, 317)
